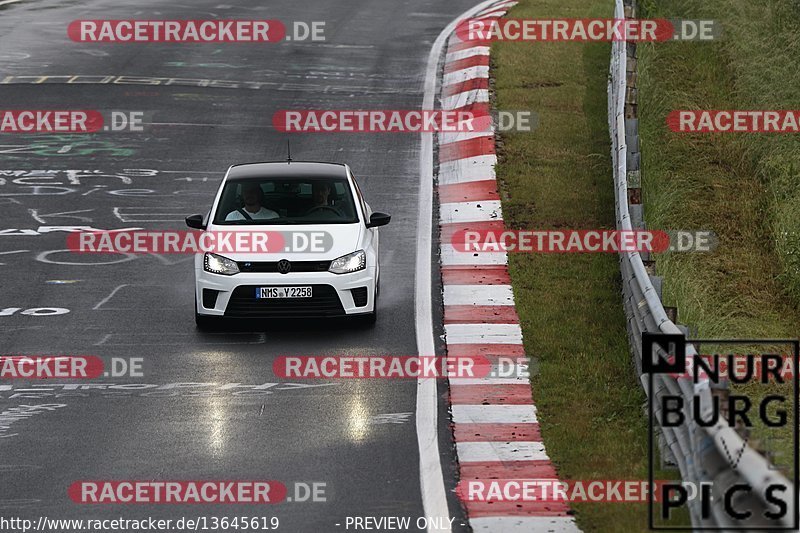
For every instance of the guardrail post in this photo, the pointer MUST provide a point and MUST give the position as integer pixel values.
(630, 9)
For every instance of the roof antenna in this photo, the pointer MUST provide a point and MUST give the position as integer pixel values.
(289, 152)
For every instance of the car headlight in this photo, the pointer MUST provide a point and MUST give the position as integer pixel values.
(216, 264)
(349, 263)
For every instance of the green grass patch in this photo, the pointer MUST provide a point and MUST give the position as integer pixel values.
(589, 401)
(745, 187)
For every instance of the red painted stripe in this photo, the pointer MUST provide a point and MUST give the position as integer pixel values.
(486, 350)
(490, 394)
(475, 275)
(448, 230)
(496, 432)
(508, 470)
(464, 86)
(457, 45)
(480, 314)
(466, 149)
(467, 62)
(470, 191)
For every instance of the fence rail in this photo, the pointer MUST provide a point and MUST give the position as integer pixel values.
(701, 453)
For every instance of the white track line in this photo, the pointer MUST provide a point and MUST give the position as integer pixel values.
(434, 498)
(107, 298)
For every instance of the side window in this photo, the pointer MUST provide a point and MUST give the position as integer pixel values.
(231, 200)
(360, 198)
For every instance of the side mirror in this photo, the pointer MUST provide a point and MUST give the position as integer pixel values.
(378, 219)
(195, 221)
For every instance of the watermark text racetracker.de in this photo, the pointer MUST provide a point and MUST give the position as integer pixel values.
(586, 30)
(734, 121)
(68, 367)
(194, 31)
(582, 241)
(197, 242)
(477, 118)
(399, 367)
(177, 492)
(567, 491)
(69, 121)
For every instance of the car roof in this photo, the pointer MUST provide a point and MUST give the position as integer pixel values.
(284, 169)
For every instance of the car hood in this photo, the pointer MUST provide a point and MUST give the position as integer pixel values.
(335, 240)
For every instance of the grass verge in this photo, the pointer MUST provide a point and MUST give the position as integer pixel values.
(588, 399)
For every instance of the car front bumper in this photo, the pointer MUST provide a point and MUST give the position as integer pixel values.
(332, 294)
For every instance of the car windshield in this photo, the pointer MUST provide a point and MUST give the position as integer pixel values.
(268, 201)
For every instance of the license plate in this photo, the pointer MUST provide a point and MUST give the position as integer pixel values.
(282, 292)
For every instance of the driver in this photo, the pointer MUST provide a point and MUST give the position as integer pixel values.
(320, 192)
(252, 209)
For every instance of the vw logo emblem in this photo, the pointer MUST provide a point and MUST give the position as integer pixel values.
(284, 266)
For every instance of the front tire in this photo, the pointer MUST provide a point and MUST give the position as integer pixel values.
(370, 319)
(204, 323)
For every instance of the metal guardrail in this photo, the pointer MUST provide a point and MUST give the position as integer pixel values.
(700, 453)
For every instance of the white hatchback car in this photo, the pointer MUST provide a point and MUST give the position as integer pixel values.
(306, 202)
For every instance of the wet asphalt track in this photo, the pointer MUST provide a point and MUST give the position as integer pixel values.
(358, 437)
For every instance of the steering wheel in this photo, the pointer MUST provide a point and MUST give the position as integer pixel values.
(328, 207)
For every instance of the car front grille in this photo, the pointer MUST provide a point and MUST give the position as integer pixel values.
(324, 302)
(272, 266)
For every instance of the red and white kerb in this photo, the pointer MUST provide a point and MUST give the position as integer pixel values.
(496, 429)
